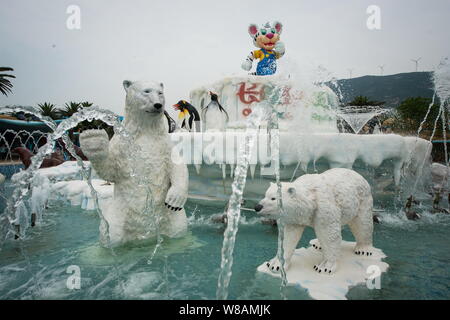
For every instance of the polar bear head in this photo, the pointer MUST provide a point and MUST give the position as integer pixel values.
(299, 202)
(144, 97)
(144, 102)
(269, 205)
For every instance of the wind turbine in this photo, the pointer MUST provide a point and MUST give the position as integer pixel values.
(416, 61)
(350, 72)
(381, 69)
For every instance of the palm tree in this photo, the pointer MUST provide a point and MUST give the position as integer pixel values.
(70, 108)
(86, 104)
(49, 110)
(5, 84)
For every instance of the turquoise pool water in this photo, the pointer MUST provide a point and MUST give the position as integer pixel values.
(36, 268)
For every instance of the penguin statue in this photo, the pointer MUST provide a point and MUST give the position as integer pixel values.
(215, 117)
(189, 115)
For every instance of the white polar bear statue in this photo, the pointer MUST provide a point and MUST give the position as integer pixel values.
(127, 215)
(325, 202)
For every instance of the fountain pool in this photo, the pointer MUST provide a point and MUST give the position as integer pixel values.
(188, 269)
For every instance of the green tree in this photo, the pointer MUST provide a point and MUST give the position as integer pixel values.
(5, 83)
(362, 101)
(70, 108)
(412, 112)
(86, 104)
(49, 110)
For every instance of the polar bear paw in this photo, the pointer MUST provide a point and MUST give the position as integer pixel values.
(315, 243)
(274, 265)
(326, 267)
(95, 144)
(363, 250)
(175, 199)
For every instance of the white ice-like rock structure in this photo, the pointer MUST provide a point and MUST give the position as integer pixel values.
(78, 193)
(2, 178)
(308, 108)
(309, 139)
(353, 270)
(440, 176)
(67, 171)
(213, 155)
(65, 182)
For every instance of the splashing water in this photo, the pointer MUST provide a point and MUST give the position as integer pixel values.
(27, 175)
(441, 79)
(275, 154)
(234, 208)
(442, 87)
(262, 111)
(16, 217)
(24, 138)
(88, 114)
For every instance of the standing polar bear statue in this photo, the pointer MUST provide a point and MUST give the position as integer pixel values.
(128, 215)
(325, 202)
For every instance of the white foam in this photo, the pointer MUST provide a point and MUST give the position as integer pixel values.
(143, 285)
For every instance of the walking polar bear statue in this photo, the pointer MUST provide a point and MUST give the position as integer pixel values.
(127, 216)
(325, 202)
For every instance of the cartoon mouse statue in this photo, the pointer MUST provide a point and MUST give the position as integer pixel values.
(267, 38)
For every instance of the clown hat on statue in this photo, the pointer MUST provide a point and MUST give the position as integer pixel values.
(267, 39)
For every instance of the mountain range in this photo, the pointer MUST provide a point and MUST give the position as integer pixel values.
(390, 89)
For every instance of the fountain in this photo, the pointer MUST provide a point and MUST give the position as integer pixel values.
(307, 132)
(358, 116)
(278, 130)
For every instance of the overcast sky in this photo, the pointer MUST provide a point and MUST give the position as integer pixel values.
(186, 44)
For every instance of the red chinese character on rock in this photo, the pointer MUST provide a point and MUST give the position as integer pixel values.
(251, 94)
(246, 111)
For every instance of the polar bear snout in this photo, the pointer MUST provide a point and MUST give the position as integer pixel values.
(155, 108)
(258, 207)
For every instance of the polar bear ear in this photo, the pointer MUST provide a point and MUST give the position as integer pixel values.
(127, 84)
(291, 191)
(162, 85)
